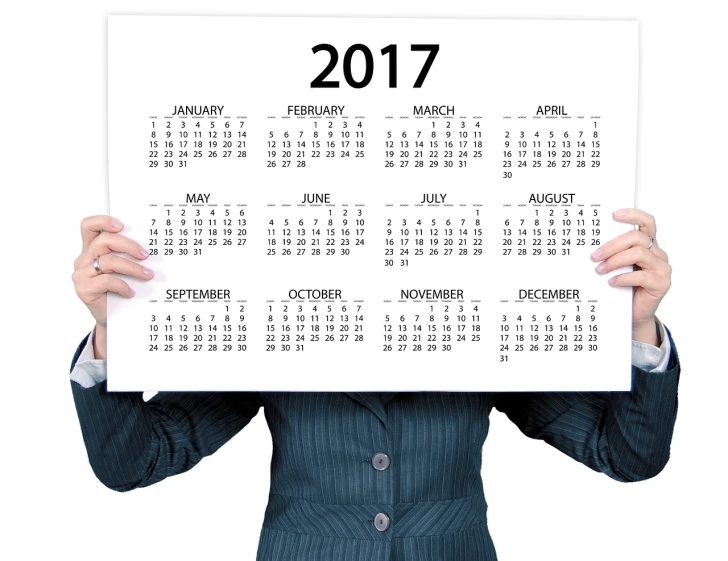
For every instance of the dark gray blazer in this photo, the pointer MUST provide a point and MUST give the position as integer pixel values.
(325, 490)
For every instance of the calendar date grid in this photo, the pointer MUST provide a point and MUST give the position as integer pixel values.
(338, 230)
(298, 141)
(528, 143)
(198, 326)
(194, 228)
(550, 228)
(433, 141)
(441, 325)
(174, 140)
(297, 325)
(431, 229)
(543, 327)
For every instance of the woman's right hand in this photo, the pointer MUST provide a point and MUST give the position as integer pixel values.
(100, 238)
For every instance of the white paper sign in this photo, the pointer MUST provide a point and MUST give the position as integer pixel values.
(371, 204)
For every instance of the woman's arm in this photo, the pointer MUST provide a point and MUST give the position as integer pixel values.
(625, 435)
(132, 443)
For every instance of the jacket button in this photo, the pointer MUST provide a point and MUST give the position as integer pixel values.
(380, 461)
(381, 522)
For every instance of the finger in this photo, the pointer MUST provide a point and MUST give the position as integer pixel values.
(95, 287)
(657, 285)
(659, 251)
(110, 263)
(645, 221)
(107, 242)
(633, 238)
(640, 256)
(92, 226)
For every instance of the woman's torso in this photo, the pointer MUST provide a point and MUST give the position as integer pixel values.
(388, 475)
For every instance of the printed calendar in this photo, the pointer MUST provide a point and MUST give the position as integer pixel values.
(370, 204)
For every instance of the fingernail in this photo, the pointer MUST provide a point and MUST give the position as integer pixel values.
(612, 280)
(602, 266)
(621, 212)
(147, 272)
(116, 224)
(143, 251)
(598, 254)
(131, 291)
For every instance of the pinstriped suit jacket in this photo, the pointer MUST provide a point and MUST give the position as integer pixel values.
(325, 491)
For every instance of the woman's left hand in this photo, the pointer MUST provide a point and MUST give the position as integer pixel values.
(651, 279)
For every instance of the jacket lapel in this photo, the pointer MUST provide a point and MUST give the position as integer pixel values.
(373, 402)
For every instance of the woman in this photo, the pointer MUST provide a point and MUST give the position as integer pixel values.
(370, 476)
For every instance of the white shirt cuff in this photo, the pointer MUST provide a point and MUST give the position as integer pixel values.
(651, 358)
(89, 370)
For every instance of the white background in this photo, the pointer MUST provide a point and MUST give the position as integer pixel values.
(543, 505)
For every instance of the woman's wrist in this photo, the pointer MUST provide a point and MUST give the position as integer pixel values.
(99, 341)
(646, 332)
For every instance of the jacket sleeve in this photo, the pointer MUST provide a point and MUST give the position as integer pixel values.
(625, 435)
(132, 443)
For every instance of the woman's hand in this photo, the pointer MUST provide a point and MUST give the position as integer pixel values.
(651, 279)
(100, 239)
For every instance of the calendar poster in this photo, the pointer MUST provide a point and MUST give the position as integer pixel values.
(365, 204)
